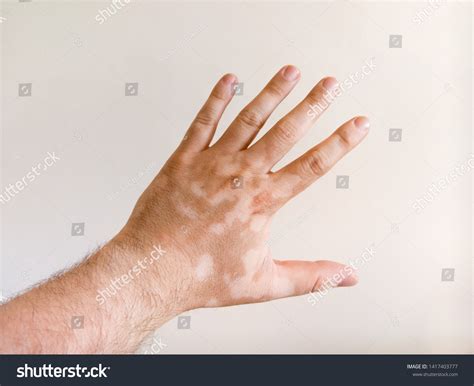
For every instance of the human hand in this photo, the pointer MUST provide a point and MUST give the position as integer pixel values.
(210, 207)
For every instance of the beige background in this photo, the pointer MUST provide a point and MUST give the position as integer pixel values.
(111, 146)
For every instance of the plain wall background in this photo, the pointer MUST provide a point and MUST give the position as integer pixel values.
(111, 146)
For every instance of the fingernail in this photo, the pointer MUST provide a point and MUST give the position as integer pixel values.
(350, 280)
(291, 73)
(362, 123)
(330, 83)
(229, 78)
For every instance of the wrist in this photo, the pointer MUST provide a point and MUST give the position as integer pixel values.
(144, 277)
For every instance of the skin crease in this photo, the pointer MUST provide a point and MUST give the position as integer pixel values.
(210, 208)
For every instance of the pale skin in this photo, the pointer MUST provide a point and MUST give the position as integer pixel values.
(209, 210)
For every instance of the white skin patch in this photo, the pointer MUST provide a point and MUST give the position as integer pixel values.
(285, 189)
(181, 207)
(229, 168)
(218, 198)
(258, 222)
(240, 288)
(187, 211)
(282, 287)
(240, 212)
(204, 267)
(251, 260)
(217, 228)
(197, 190)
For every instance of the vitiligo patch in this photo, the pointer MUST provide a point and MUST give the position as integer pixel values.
(217, 228)
(187, 211)
(258, 222)
(197, 190)
(204, 267)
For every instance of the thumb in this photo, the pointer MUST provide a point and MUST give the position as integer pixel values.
(296, 277)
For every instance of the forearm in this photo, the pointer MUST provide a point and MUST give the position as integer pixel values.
(67, 314)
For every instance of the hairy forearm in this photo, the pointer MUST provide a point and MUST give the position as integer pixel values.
(67, 315)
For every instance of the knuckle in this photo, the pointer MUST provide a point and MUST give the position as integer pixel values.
(287, 131)
(345, 139)
(204, 118)
(178, 160)
(316, 97)
(176, 165)
(218, 96)
(318, 284)
(275, 89)
(250, 117)
(316, 163)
